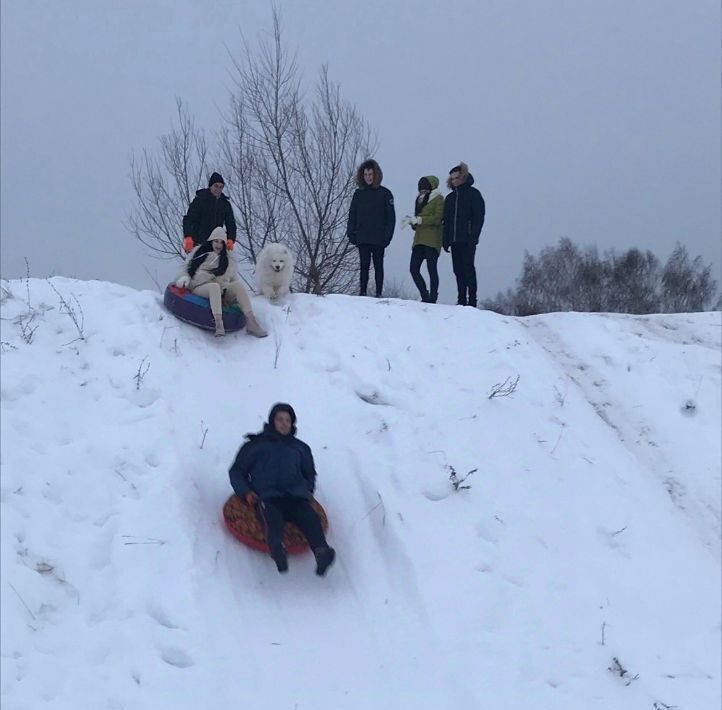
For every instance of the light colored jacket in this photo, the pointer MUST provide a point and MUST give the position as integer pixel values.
(205, 274)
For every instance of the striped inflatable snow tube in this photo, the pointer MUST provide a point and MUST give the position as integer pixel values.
(196, 310)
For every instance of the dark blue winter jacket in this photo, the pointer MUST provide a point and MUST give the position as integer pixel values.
(273, 466)
(371, 217)
(464, 212)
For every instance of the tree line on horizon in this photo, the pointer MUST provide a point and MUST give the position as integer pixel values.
(567, 277)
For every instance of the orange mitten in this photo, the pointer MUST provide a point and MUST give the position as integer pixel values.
(230, 244)
(187, 244)
(251, 497)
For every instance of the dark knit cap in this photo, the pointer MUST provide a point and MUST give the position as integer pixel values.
(281, 407)
(214, 178)
(424, 184)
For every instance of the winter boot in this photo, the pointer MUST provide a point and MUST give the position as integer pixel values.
(253, 328)
(279, 557)
(433, 297)
(220, 330)
(324, 559)
(461, 301)
(472, 303)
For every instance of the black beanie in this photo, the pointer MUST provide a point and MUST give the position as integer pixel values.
(424, 184)
(214, 178)
(281, 407)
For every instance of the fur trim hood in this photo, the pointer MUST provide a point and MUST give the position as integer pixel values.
(463, 168)
(366, 165)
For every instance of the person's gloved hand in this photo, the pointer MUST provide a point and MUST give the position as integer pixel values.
(188, 244)
(406, 221)
(230, 244)
(446, 248)
(183, 281)
(416, 220)
(251, 497)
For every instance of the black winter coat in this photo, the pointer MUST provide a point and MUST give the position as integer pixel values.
(205, 214)
(273, 466)
(464, 212)
(371, 217)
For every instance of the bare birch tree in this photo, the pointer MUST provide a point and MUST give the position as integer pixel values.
(289, 159)
(164, 184)
(293, 160)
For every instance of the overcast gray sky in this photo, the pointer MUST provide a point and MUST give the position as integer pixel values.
(599, 121)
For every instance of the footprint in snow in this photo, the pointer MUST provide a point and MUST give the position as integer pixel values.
(160, 616)
(143, 397)
(21, 389)
(437, 492)
(485, 534)
(176, 657)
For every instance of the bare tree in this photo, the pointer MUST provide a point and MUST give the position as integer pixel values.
(164, 184)
(289, 159)
(293, 160)
(687, 285)
(633, 282)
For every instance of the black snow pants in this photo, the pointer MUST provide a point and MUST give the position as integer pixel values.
(462, 259)
(366, 251)
(419, 254)
(275, 511)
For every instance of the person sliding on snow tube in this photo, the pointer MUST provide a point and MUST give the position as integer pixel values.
(211, 272)
(274, 471)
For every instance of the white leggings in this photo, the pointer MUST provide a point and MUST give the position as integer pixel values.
(235, 293)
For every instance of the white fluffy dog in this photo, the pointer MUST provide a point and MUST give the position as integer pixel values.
(274, 271)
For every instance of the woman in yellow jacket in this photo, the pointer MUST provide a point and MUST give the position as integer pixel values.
(427, 225)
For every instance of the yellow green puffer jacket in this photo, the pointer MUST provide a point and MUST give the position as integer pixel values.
(429, 232)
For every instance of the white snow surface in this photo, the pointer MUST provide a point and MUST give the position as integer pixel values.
(590, 530)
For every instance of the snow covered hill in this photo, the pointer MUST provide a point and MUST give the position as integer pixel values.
(580, 568)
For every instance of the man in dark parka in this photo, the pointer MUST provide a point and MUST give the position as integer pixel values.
(464, 212)
(371, 222)
(274, 471)
(210, 209)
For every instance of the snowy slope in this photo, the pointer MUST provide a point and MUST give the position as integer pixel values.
(590, 531)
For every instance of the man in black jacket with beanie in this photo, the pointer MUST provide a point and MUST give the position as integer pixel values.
(464, 212)
(210, 209)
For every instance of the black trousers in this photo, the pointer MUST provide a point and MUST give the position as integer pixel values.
(462, 259)
(366, 252)
(275, 511)
(419, 254)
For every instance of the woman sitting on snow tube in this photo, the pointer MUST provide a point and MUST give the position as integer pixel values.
(211, 272)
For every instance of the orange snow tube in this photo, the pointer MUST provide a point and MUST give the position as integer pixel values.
(243, 523)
